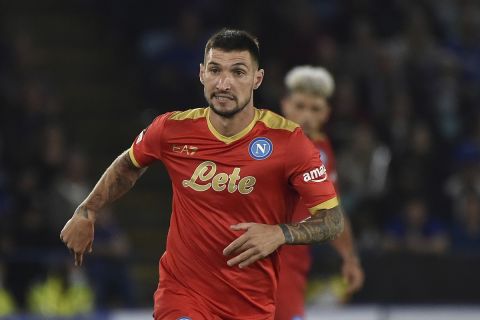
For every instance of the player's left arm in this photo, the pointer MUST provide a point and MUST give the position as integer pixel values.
(260, 240)
(318, 193)
(323, 225)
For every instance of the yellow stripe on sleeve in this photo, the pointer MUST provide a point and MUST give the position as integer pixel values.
(275, 121)
(189, 114)
(329, 204)
(132, 157)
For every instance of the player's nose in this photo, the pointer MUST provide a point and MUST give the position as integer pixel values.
(223, 83)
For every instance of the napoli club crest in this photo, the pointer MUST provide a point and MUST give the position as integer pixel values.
(260, 148)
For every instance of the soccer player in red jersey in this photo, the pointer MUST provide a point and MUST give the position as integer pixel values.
(306, 103)
(237, 173)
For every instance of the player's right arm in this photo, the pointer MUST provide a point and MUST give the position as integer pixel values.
(119, 178)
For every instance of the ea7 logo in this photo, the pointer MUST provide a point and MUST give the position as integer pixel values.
(316, 175)
(186, 149)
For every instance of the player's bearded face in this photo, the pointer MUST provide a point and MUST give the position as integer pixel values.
(226, 104)
(229, 80)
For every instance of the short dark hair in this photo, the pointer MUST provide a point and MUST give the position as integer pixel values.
(234, 40)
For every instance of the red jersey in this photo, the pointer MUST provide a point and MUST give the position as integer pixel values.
(295, 261)
(256, 175)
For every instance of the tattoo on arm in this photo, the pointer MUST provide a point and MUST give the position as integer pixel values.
(324, 225)
(119, 178)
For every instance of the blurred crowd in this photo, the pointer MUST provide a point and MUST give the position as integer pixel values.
(405, 124)
(44, 175)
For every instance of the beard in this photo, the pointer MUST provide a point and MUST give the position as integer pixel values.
(230, 113)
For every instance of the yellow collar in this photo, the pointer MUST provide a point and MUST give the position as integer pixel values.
(236, 136)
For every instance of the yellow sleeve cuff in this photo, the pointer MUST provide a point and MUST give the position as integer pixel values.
(132, 157)
(329, 204)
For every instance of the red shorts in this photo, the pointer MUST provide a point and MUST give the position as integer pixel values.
(176, 304)
(292, 283)
(175, 301)
(291, 297)
(172, 301)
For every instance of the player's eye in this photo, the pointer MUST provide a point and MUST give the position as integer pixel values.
(214, 70)
(239, 72)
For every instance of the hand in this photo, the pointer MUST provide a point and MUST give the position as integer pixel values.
(353, 274)
(256, 243)
(77, 234)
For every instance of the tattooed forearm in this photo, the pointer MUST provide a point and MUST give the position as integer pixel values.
(324, 225)
(115, 182)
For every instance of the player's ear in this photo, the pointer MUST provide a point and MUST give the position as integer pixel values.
(201, 73)
(258, 78)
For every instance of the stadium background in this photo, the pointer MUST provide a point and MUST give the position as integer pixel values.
(79, 79)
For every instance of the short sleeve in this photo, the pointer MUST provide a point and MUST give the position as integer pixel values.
(308, 175)
(147, 146)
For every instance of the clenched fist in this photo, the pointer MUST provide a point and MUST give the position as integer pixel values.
(77, 234)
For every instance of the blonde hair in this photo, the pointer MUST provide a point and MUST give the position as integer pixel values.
(314, 80)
